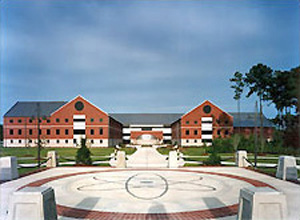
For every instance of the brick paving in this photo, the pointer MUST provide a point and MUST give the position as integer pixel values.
(190, 215)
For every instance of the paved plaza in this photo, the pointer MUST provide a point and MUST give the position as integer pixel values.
(185, 193)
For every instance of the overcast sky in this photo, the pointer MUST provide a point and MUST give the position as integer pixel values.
(141, 56)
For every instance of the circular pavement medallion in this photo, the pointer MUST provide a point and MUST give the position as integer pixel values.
(146, 186)
(137, 193)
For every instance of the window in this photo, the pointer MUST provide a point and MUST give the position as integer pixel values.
(79, 119)
(57, 131)
(11, 141)
(20, 141)
(30, 120)
(30, 131)
(101, 141)
(57, 120)
(66, 141)
(74, 141)
(100, 119)
(207, 132)
(146, 129)
(11, 131)
(48, 141)
(101, 131)
(20, 131)
(92, 141)
(66, 131)
(11, 121)
(226, 132)
(82, 131)
(57, 141)
(92, 120)
(196, 122)
(219, 132)
(40, 131)
(187, 122)
(226, 122)
(92, 131)
(40, 120)
(48, 131)
(48, 120)
(187, 141)
(207, 109)
(195, 141)
(195, 132)
(66, 120)
(20, 120)
(30, 141)
(79, 106)
(187, 132)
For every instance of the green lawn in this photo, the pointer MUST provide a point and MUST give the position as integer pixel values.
(164, 150)
(267, 170)
(64, 152)
(68, 154)
(23, 171)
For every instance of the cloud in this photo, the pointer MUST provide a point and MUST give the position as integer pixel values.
(141, 55)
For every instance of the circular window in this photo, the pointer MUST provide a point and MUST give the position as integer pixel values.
(207, 109)
(79, 105)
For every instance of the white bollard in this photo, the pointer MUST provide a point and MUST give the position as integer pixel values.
(52, 162)
(173, 162)
(287, 168)
(262, 203)
(8, 168)
(240, 158)
(30, 203)
(121, 159)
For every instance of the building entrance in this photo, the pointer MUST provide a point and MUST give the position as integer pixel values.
(146, 137)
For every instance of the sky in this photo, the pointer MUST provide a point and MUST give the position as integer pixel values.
(142, 56)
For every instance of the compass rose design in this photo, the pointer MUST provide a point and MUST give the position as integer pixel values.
(147, 186)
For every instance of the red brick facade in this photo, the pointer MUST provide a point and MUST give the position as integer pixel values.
(206, 120)
(66, 124)
(57, 129)
(247, 131)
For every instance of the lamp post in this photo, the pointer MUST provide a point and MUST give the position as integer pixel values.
(255, 136)
(38, 133)
(38, 118)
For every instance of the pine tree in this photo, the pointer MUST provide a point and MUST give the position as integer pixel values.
(83, 155)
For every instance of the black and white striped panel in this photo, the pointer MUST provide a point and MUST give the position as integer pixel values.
(206, 129)
(78, 127)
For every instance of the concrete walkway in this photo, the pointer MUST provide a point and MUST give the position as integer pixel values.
(146, 157)
(108, 193)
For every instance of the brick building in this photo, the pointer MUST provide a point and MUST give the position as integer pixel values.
(63, 124)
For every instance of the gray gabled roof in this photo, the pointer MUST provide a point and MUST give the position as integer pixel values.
(146, 118)
(29, 109)
(247, 119)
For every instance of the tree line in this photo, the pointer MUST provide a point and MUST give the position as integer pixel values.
(281, 88)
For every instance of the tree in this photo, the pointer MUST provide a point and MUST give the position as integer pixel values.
(259, 81)
(297, 71)
(83, 155)
(238, 86)
(284, 93)
(1, 132)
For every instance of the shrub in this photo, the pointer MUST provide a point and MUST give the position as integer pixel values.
(276, 146)
(83, 155)
(223, 145)
(214, 158)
